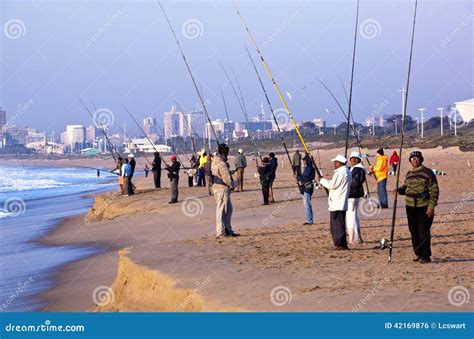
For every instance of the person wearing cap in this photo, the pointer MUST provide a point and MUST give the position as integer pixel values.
(421, 196)
(222, 186)
(156, 169)
(173, 174)
(356, 192)
(272, 175)
(338, 187)
(297, 163)
(306, 180)
(240, 163)
(126, 174)
(380, 171)
(264, 172)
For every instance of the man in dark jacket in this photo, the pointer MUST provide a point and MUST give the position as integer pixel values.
(265, 171)
(272, 175)
(173, 174)
(306, 181)
(156, 169)
(356, 192)
(133, 164)
(297, 163)
(422, 192)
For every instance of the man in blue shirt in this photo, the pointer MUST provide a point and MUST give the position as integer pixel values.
(126, 174)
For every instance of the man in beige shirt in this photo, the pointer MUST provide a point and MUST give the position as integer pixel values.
(223, 185)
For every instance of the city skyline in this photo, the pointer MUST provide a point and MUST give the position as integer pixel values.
(114, 61)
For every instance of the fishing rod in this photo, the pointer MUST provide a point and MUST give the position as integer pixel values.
(227, 117)
(271, 109)
(211, 126)
(189, 127)
(146, 136)
(128, 136)
(254, 42)
(189, 70)
(395, 200)
(349, 111)
(112, 148)
(174, 148)
(244, 112)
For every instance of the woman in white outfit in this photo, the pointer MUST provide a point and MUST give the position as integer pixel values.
(355, 194)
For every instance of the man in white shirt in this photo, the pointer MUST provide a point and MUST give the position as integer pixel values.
(338, 187)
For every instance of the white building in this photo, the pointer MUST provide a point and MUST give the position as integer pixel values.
(145, 146)
(465, 109)
(318, 122)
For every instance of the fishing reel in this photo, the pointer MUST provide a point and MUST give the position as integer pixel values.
(383, 244)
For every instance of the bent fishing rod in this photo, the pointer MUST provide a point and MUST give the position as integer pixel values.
(146, 136)
(189, 71)
(395, 200)
(100, 126)
(174, 148)
(349, 110)
(271, 109)
(277, 89)
(244, 112)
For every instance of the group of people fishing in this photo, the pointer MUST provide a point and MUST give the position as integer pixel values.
(345, 189)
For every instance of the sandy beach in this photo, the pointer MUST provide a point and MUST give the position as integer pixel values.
(160, 257)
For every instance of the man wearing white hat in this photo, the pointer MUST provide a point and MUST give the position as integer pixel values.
(338, 188)
(355, 193)
(240, 163)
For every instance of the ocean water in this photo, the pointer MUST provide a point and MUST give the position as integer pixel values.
(33, 200)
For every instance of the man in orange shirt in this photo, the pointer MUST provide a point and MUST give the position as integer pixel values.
(380, 171)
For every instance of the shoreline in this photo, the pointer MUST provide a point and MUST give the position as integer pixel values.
(271, 252)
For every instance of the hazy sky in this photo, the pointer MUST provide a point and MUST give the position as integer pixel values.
(122, 52)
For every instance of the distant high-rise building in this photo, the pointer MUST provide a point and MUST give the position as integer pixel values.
(74, 137)
(90, 134)
(172, 122)
(3, 118)
(149, 126)
(183, 124)
(15, 135)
